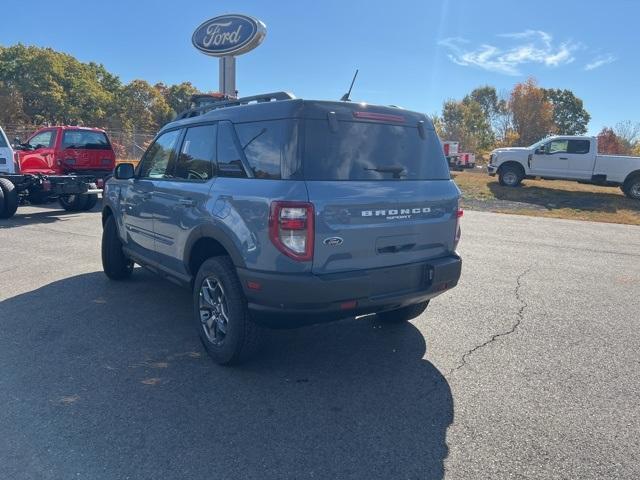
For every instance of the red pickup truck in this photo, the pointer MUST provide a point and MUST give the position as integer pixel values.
(67, 163)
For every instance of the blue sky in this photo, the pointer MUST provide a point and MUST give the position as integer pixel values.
(413, 53)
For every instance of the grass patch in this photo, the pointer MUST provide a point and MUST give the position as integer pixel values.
(548, 198)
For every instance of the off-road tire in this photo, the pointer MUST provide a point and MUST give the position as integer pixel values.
(74, 203)
(403, 314)
(9, 201)
(115, 264)
(510, 176)
(243, 336)
(631, 187)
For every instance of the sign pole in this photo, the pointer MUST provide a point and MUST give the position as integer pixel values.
(227, 75)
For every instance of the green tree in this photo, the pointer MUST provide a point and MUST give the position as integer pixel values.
(466, 123)
(179, 96)
(569, 114)
(143, 106)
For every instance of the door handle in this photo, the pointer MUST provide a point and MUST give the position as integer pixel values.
(563, 158)
(186, 202)
(147, 196)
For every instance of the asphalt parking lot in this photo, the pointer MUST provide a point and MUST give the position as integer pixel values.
(530, 368)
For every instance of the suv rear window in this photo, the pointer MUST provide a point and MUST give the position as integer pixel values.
(371, 151)
(85, 140)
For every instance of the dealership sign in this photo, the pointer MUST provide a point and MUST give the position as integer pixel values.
(229, 35)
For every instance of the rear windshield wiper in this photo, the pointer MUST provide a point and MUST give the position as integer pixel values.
(396, 171)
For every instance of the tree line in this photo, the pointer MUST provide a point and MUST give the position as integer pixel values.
(484, 119)
(42, 86)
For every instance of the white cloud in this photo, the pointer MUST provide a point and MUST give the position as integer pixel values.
(599, 61)
(512, 51)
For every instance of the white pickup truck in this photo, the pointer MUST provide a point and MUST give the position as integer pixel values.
(566, 158)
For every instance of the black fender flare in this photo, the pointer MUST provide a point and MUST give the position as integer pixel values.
(216, 233)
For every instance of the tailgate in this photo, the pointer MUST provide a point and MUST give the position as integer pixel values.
(371, 224)
(88, 159)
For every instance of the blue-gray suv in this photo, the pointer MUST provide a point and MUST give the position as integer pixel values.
(279, 211)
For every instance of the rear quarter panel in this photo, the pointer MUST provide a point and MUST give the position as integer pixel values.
(239, 208)
(616, 167)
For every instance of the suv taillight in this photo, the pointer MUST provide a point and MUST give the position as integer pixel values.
(291, 229)
(458, 213)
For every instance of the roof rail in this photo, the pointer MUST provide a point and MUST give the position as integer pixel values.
(262, 98)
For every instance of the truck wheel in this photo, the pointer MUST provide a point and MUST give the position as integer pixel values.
(115, 264)
(510, 176)
(220, 313)
(73, 203)
(9, 202)
(403, 314)
(92, 199)
(631, 188)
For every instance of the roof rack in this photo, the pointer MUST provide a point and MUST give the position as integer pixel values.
(262, 98)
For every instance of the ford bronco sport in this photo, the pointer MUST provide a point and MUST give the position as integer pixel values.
(280, 211)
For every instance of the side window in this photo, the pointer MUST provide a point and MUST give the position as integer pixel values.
(557, 146)
(44, 139)
(156, 162)
(229, 157)
(262, 143)
(579, 146)
(198, 154)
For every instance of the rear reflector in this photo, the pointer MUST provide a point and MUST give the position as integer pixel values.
(348, 305)
(254, 285)
(379, 117)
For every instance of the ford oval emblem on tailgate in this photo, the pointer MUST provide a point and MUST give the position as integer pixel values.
(333, 241)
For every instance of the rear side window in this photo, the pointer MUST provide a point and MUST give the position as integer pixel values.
(262, 146)
(229, 156)
(3, 143)
(371, 151)
(85, 140)
(578, 146)
(198, 154)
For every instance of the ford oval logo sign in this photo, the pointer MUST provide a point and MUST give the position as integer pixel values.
(229, 35)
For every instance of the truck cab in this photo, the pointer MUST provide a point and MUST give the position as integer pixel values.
(67, 150)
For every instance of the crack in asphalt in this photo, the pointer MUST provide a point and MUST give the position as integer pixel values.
(514, 327)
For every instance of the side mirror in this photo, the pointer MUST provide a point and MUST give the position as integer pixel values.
(124, 171)
(540, 151)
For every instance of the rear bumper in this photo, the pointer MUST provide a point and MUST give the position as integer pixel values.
(299, 299)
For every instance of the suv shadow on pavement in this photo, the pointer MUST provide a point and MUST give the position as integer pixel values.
(108, 380)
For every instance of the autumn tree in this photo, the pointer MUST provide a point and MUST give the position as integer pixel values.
(609, 143)
(628, 133)
(532, 112)
(569, 114)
